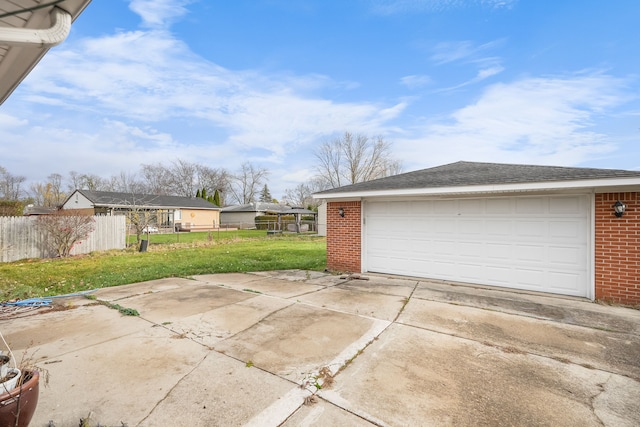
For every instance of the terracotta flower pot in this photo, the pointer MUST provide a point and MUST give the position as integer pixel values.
(20, 403)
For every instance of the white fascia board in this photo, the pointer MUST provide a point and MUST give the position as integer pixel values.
(613, 184)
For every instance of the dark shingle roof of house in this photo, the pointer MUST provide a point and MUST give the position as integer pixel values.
(461, 174)
(112, 199)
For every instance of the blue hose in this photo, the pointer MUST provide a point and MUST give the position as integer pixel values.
(42, 302)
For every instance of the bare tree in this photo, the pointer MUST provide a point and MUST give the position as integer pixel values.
(214, 179)
(184, 178)
(48, 193)
(156, 179)
(245, 185)
(301, 194)
(10, 185)
(86, 181)
(354, 158)
(65, 228)
(125, 183)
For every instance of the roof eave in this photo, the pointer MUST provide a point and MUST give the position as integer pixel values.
(618, 184)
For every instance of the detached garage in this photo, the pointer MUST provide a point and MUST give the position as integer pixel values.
(536, 228)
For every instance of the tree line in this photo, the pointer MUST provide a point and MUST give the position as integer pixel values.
(346, 159)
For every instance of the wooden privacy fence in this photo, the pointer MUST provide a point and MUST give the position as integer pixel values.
(20, 237)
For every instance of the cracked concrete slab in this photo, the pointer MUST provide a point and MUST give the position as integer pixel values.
(127, 291)
(185, 301)
(205, 352)
(220, 323)
(114, 381)
(57, 332)
(362, 303)
(221, 391)
(264, 285)
(320, 413)
(402, 288)
(411, 376)
(576, 311)
(609, 351)
(299, 340)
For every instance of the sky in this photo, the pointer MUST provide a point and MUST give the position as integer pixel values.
(220, 83)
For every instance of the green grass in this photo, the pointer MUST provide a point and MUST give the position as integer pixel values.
(37, 278)
(199, 236)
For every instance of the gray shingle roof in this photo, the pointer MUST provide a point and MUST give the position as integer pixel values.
(461, 174)
(109, 198)
(255, 207)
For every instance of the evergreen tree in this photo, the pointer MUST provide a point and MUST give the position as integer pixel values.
(265, 195)
(203, 194)
(216, 198)
(198, 193)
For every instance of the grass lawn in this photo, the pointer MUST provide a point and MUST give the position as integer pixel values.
(199, 236)
(231, 253)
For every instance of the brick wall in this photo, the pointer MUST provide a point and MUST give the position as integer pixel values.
(343, 237)
(617, 249)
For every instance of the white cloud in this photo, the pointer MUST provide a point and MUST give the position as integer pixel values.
(8, 121)
(534, 120)
(482, 74)
(391, 7)
(465, 51)
(415, 81)
(159, 13)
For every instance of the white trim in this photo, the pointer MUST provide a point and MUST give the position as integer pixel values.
(601, 185)
(591, 247)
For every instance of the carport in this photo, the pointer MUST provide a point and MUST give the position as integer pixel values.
(297, 226)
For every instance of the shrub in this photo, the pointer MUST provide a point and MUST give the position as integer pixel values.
(63, 229)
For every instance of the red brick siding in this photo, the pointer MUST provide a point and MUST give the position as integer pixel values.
(617, 249)
(344, 237)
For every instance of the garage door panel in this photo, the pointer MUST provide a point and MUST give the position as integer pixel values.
(470, 249)
(471, 206)
(536, 243)
(468, 227)
(530, 279)
(444, 226)
(565, 283)
(566, 205)
(498, 252)
(531, 229)
(444, 207)
(470, 271)
(530, 205)
(499, 275)
(565, 229)
(498, 206)
(498, 227)
(530, 253)
(568, 256)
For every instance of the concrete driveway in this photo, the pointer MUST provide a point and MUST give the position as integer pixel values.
(296, 348)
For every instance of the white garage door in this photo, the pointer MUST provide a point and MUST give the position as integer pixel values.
(535, 243)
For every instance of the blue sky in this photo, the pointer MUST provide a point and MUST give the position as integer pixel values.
(223, 82)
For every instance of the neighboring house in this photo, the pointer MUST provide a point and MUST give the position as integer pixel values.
(239, 215)
(27, 31)
(169, 212)
(536, 228)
